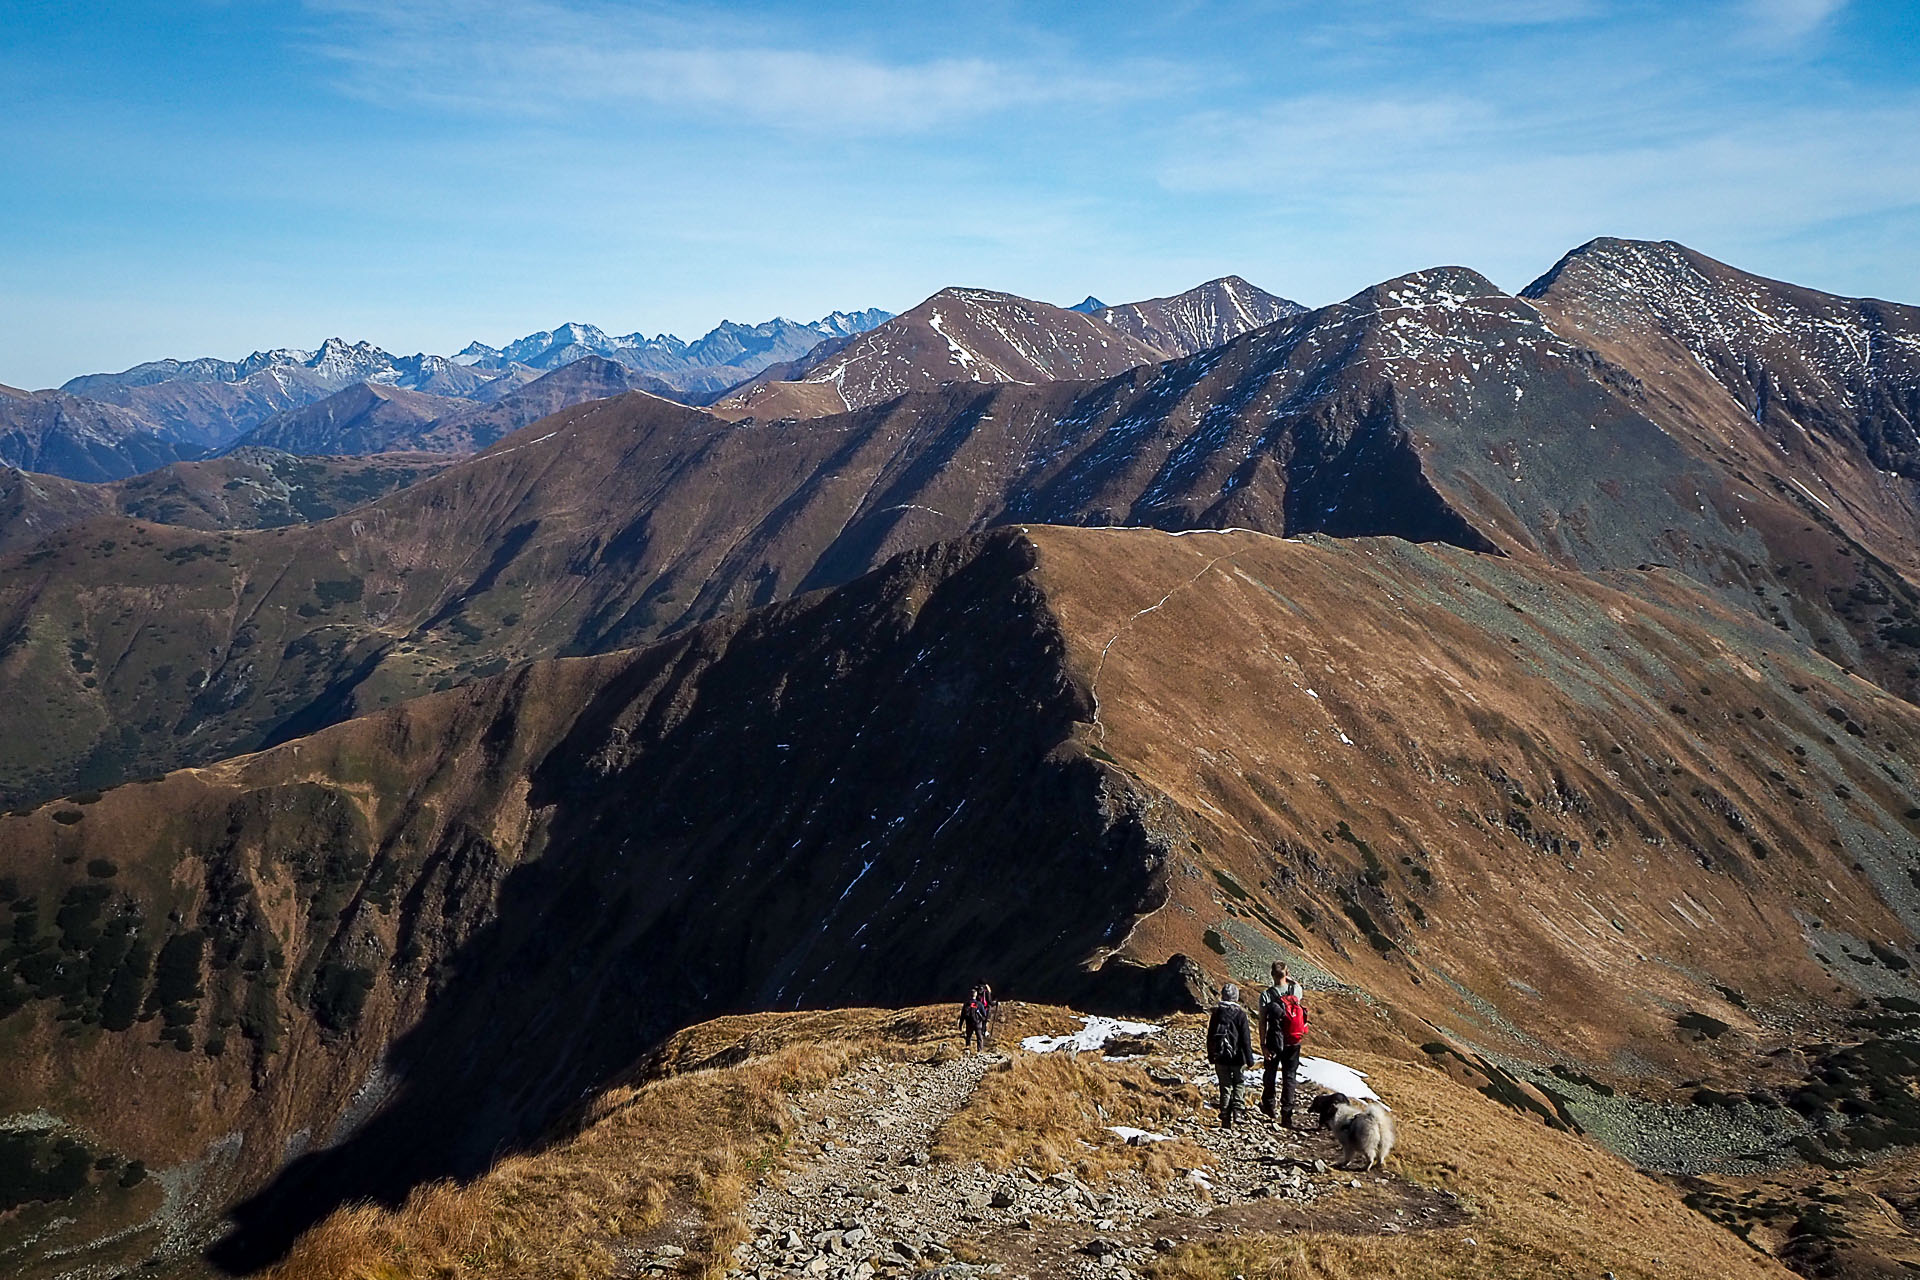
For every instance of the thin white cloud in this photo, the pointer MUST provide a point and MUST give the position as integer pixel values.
(1785, 23)
(1307, 147)
(558, 58)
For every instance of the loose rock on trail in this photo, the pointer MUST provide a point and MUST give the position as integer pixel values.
(861, 1195)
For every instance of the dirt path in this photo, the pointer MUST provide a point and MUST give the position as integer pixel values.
(861, 1195)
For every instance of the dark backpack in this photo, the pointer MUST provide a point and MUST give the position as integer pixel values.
(1223, 1037)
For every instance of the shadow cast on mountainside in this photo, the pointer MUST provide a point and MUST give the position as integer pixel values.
(855, 799)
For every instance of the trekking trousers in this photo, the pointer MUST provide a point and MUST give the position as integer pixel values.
(977, 1033)
(1285, 1064)
(1233, 1077)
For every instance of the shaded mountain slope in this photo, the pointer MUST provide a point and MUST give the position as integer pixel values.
(327, 876)
(366, 418)
(1431, 408)
(59, 434)
(472, 428)
(1818, 394)
(35, 506)
(1113, 765)
(251, 488)
(244, 489)
(1802, 398)
(960, 335)
(363, 418)
(1204, 317)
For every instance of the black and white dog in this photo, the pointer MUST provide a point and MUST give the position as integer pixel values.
(1363, 1128)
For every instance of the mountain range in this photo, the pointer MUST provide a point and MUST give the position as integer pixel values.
(728, 355)
(1539, 670)
(107, 426)
(357, 399)
(977, 335)
(1434, 407)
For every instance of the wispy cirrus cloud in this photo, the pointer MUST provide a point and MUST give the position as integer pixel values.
(1790, 19)
(1656, 124)
(552, 59)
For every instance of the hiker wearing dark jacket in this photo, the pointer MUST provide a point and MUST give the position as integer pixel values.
(1277, 1044)
(976, 1016)
(1230, 1049)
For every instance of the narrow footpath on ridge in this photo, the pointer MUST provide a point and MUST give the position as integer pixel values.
(859, 1193)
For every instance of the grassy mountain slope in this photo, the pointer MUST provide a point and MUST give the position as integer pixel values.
(244, 489)
(1552, 820)
(1432, 408)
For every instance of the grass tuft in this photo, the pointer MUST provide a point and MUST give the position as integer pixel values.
(1050, 1112)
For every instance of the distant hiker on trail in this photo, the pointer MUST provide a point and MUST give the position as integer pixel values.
(1283, 1025)
(1230, 1050)
(976, 1016)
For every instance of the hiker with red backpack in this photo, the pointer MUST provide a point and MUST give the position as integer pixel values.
(976, 1016)
(1283, 1026)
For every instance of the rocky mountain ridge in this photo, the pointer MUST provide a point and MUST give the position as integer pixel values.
(1434, 407)
(1570, 824)
(1535, 673)
(725, 356)
(957, 335)
(107, 426)
(977, 335)
(367, 419)
(64, 435)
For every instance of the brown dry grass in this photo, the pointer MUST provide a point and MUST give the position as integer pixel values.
(1545, 1205)
(1050, 1112)
(690, 1136)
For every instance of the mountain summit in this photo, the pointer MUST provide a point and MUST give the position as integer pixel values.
(957, 335)
(1204, 317)
(978, 335)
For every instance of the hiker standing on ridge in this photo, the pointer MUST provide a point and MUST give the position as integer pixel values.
(1283, 1025)
(976, 1016)
(1230, 1050)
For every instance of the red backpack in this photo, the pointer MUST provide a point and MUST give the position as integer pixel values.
(1293, 1020)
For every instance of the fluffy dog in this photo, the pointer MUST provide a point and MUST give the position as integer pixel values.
(1363, 1128)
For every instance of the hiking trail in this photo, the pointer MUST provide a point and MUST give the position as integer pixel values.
(860, 1195)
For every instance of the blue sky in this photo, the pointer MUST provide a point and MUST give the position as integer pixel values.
(202, 177)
